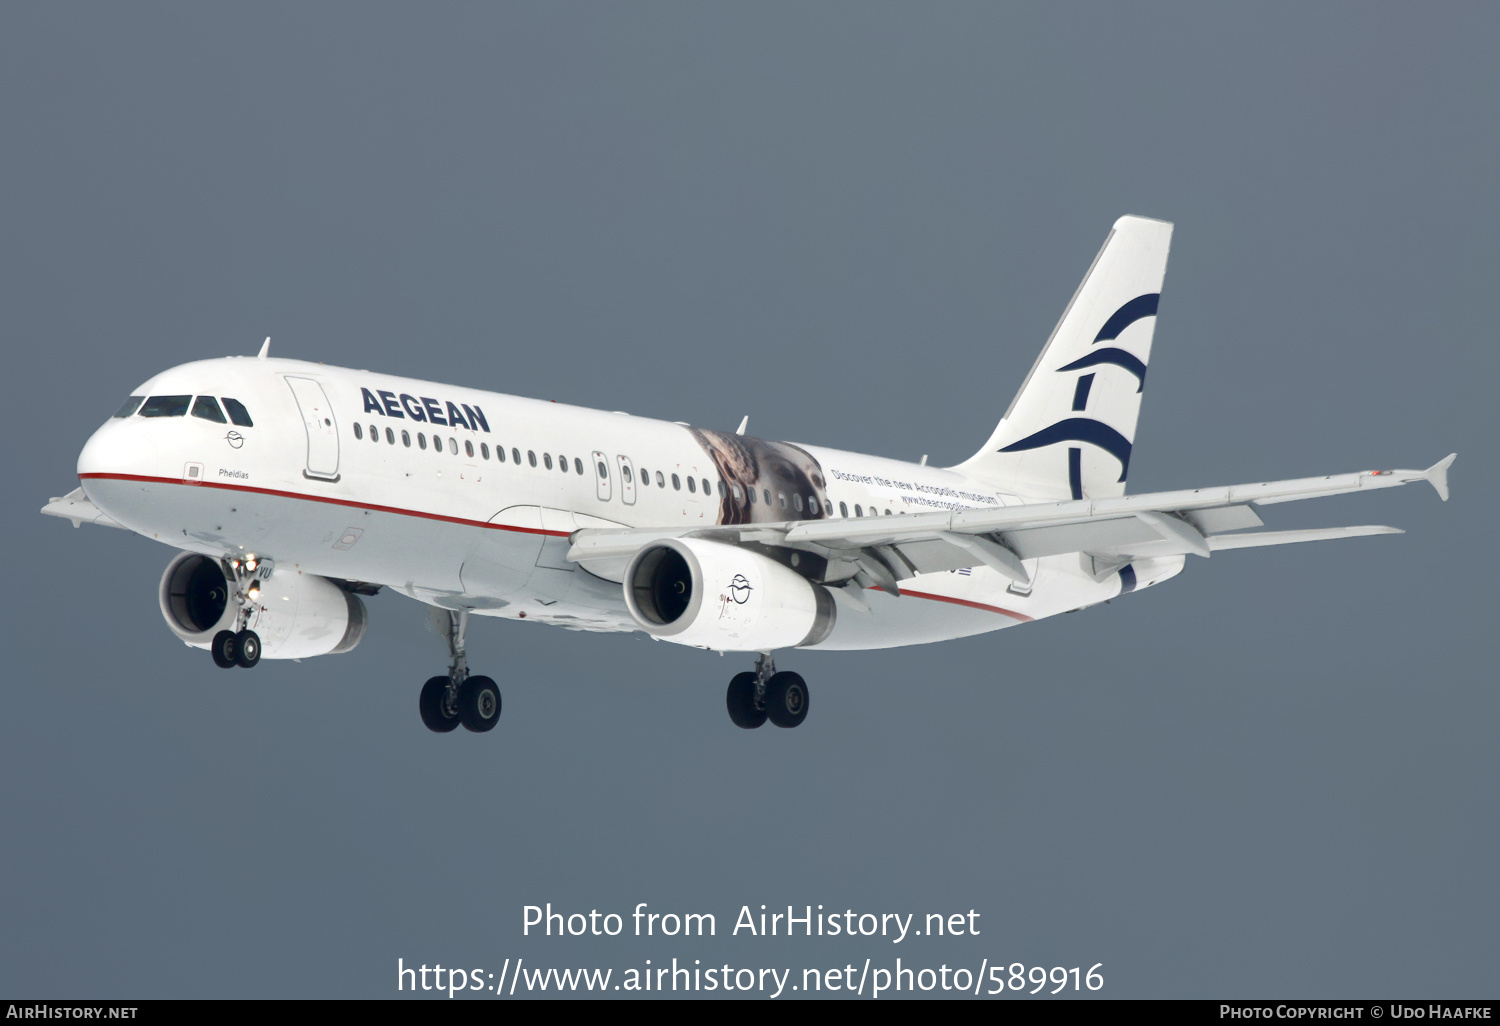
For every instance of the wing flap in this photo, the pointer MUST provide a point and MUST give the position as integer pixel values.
(1259, 538)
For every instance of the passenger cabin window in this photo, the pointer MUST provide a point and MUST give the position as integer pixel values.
(692, 486)
(358, 431)
(390, 437)
(797, 501)
(530, 457)
(374, 433)
(547, 460)
(238, 415)
(205, 407)
(751, 495)
(603, 470)
(857, 511)
(843, 509)
(625, 473)
(166, 406)
(578, 466)
(484, 450)
(676, 483)
(645, 476)
(706, 488)
(421, 441)
(406, 438)
(469, 450)
(131, 405)
(782, 499)
(765, 493)
(453, 447)
(661, 482)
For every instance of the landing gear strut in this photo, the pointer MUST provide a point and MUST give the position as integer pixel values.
(458, 698)
(241, 646)
(765, 694)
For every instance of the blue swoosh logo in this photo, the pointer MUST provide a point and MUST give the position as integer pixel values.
(1118, 357)
(1140, 306)
(1079, 429)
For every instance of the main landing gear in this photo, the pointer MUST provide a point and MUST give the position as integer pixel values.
(457, 698)
(765, 694)
(241, 646)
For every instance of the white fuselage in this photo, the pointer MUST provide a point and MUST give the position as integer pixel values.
(428, 508)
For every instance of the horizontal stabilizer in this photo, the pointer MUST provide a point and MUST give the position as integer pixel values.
(1259, 538)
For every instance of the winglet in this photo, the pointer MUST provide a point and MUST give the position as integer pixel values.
(1437, 475)
(744, 423)
(265, 349)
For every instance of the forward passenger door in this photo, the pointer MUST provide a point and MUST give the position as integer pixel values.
(322, 429)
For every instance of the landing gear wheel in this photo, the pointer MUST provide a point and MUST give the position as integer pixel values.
(223, 650)
(479, 704)
(247, 648)
(433, 704)
(741, 702)
(786, 699)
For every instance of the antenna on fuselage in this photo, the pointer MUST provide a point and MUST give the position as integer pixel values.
(744, 423)
(265, 348)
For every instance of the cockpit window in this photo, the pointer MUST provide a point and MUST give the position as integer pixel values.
(207, 408)
(166, 406)
(237, 413)
(131, 405)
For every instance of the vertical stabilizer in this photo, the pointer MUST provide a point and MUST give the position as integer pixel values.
(1069, 430)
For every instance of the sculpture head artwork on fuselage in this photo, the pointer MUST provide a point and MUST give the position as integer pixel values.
(295, 490)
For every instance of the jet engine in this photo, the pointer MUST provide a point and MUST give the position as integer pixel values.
(712, 595)
(296, 614)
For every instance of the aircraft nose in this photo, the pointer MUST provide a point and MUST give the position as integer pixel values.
(117, 447)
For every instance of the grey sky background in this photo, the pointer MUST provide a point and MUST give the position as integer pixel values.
(856, 223)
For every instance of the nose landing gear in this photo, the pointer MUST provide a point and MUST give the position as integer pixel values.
(765, 694)
(241, 646)
(458, 698)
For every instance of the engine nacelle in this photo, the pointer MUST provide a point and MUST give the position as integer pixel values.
(711, 595)
(296, 615)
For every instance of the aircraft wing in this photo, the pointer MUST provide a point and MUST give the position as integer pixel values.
(881, 551)
(75, 506)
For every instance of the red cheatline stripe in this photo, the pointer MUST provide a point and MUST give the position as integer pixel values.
(467, 523)
(964, 602)
(324, 498)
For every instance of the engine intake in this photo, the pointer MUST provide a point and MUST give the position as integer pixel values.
(722, 597)
(296, 615)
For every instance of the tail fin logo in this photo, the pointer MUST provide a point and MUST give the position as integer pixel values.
(1086, 429)
(1079, 429)
(1137, 308)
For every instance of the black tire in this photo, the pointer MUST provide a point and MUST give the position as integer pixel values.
(431, 705)
(741, 702)
(247, 649)
(786, 699)
(223, 650)
(479, 704)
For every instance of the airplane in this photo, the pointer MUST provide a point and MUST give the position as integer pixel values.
(293, 490)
